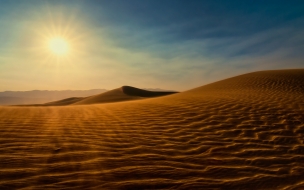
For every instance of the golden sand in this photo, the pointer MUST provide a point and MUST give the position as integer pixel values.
(245, 132)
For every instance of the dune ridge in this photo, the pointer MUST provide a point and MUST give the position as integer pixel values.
(245, 132)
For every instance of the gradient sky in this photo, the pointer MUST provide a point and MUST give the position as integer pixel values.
(168, 44)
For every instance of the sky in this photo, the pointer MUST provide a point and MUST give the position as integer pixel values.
(173, 45)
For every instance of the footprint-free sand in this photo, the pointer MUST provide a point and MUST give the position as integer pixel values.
(245, 132)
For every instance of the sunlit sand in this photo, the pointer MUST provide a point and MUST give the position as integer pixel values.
(245, 132)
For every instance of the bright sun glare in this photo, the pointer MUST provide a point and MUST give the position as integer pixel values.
(58, 46)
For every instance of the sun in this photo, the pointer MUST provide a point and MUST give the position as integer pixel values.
(59, 46)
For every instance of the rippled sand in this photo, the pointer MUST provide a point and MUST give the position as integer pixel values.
(245, 132)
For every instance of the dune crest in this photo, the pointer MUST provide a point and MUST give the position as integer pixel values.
(132, 91)
(245, 132)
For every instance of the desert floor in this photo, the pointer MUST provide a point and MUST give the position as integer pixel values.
(245, 132)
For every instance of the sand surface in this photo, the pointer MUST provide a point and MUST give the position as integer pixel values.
(245, 132)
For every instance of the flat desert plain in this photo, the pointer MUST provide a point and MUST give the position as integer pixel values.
(244, 132)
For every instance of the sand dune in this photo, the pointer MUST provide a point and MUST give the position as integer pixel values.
(245, 132)
(124, 93)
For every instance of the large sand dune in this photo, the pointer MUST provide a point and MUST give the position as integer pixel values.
(245, 132)
(124, 93)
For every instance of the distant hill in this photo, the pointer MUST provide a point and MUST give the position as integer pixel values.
(42, 96)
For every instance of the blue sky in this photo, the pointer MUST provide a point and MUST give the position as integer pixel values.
(165, 44)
